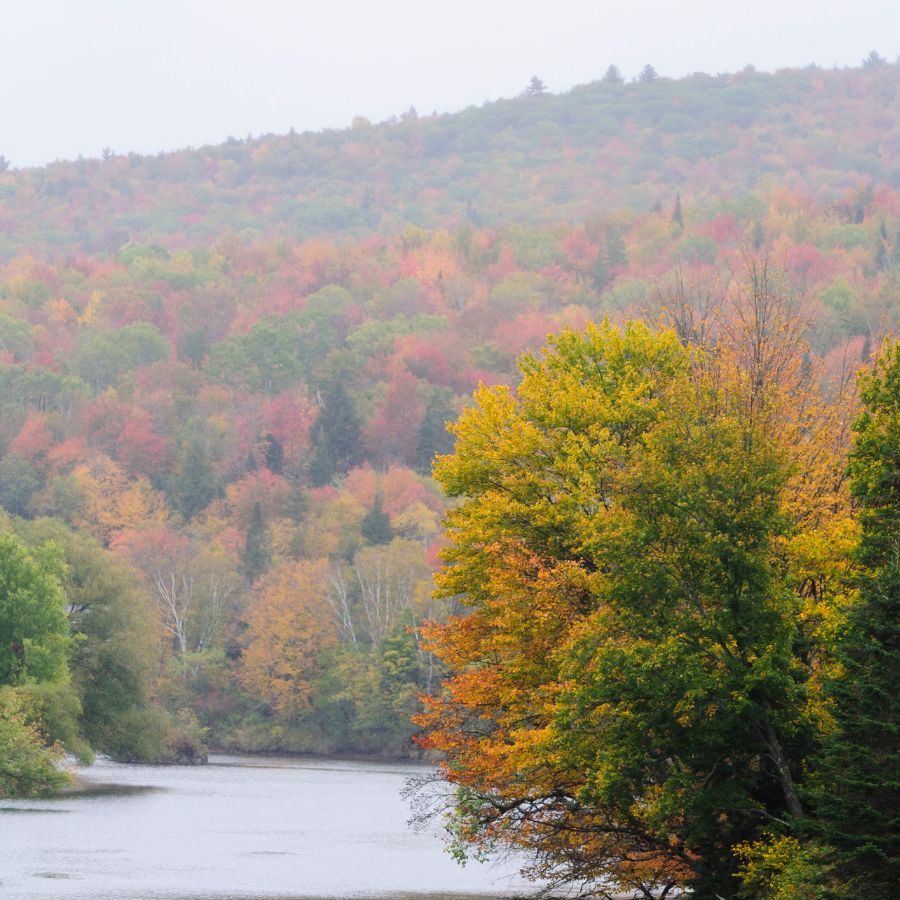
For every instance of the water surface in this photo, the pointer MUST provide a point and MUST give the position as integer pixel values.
(242, 827)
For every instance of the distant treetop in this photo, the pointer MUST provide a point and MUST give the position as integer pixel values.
(613, 75)
(536, 87)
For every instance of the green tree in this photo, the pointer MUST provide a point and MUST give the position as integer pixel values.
(16, 337)
(34, 632)
(433, 438)
(335, 436)
(612, 75)
(36, 703)
(257, 553)
(627, 703)
(274, 454)
(195, 485)
(376, 524)
(19, 480)
(677, 214)
(535, 88)
(28, 768)
(616, 253)
(857, 798)
(113, 657)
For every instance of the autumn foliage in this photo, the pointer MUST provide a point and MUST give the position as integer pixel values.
(643, 545)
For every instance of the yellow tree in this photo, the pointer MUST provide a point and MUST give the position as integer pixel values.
(630, 696)
(289, 624)
(114, 503)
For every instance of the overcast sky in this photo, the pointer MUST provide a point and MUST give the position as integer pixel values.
(150, 75)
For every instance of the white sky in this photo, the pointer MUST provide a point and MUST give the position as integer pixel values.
(150, 75)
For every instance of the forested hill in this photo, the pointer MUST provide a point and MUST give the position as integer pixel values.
(225, 374)
(538, 158)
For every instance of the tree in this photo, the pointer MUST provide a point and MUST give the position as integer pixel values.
(535, 88)
(874, 61)
(193, 583)
(648, 74)
(433, 438)
(116, 649)
(195, 485)
(34, 632)
(257, 545)
(335, 436)
(112, 502)
(376, 525)
(624, 703)
(677, 214)
(34, 642)
(386, 576)
(28, 768)
(274, 454)
(616, 252)
(613, 76)
(19, 481)
(289, 625)
(857, 785)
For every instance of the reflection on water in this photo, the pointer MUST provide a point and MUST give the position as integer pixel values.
(239, 828)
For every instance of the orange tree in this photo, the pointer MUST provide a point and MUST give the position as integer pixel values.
(630, 696)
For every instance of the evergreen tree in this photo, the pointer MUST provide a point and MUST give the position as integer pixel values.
(758, 236)
(257, 546)
(882, 249)
(858, 785)
(612, 76)
(335, 436)
(600, 273)
(648, 74)
(874, 61)
(677, 214)
(616, 254)
(376, 525)
(433, 437)
(536, 87)
(195, 485)
(274, 451)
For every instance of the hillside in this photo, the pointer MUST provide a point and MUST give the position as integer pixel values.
(530, 160)
(224, 373)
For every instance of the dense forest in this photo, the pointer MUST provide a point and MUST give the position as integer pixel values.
(536, 159)
(225, 375)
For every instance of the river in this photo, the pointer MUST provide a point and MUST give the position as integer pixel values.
(242, 827)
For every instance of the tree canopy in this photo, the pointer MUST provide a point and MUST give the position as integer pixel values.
(632, 696)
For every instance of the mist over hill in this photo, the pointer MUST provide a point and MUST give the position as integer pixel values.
(536, 159)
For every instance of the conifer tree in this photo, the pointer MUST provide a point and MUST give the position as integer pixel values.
(616, 253)
(677, 214)
(335, 436)
(433, 437)
(858, 790)
(274, 453)
(758, 236)
(195, 485)
(613, 75)
(376, 525)
(257, 545)
(535, 88)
